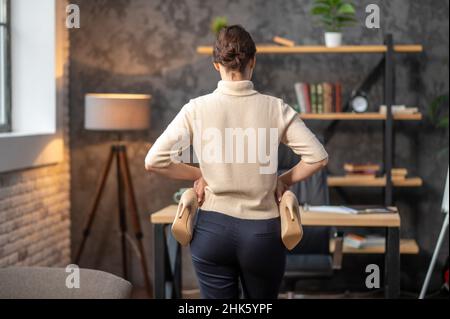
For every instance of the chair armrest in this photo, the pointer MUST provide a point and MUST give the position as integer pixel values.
(338, 250)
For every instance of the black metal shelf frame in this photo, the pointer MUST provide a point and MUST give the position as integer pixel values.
(385, 67)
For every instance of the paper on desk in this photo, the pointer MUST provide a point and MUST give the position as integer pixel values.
(332, 209)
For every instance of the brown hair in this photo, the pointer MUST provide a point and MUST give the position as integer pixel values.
(234, 48)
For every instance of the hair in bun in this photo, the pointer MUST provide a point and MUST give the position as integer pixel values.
(234, 48)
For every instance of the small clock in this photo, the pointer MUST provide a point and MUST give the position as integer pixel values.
(359, 102)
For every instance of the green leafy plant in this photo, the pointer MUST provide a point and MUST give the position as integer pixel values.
(436, 114)
(438, 118)
(218, 23)
(334, 15)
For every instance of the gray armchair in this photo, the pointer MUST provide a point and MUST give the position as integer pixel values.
(50, 283)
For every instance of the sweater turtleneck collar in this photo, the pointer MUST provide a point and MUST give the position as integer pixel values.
(238, 88)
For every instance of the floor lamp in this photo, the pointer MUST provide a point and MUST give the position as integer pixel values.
(439, 242)
(118, 113)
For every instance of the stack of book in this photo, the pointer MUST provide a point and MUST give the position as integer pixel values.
(319, 98)
(358, 241)
(371, 171)
(399, 109)
(361, 170)
(399, 174)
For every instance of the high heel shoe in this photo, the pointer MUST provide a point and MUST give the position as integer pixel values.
(183, 224)
(291, 226)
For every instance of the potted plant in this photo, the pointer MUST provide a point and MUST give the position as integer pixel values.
(218, 23)
(334, 15)
(438, 118)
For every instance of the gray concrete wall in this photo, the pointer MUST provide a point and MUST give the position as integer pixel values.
(149, 46)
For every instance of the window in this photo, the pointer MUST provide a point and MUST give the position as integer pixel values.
(5, 83)
(34, 45)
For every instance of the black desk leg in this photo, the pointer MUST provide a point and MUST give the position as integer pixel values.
(175, 269)
(177, 280)
(167, 259)
(392, 263)
(159, 241)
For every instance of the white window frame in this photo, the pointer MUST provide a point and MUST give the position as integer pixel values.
(38, 59)
(5, 62)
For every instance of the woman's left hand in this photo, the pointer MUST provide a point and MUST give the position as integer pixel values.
(199, 188)
(281, 188)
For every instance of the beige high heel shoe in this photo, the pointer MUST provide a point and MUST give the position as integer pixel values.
(183, 224)
(291, 226)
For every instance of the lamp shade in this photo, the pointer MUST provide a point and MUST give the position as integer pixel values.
(117, 112)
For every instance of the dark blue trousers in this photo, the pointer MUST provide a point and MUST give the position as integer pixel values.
(226, 250)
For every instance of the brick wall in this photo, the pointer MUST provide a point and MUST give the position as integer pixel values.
(35, 217)
(35, 203)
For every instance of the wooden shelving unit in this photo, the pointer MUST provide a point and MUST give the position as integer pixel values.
(407, 247)
(344, 181)
(305, 49)
(359, 116)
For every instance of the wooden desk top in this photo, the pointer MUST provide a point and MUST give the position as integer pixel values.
(167, 214)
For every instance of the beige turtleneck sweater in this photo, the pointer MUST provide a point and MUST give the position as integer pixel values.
(235, 132)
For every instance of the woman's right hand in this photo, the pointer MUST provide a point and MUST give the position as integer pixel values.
(199, 188)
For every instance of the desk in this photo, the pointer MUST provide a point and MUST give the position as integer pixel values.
(167, 271)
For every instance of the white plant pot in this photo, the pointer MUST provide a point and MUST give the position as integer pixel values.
(333, 39)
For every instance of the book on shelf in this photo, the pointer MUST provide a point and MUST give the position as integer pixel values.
(306, 94)
(283, 41)
(323, 97)
(367, 168)
(313, 95)
(319, 92)
(366, 171)
(301, 99)
(374, 240)
(361, 175)
(327, 97)
(399, 172)
(354, 241)
(359, 242)
(399, 109)
(338, 98)
(371, 171)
